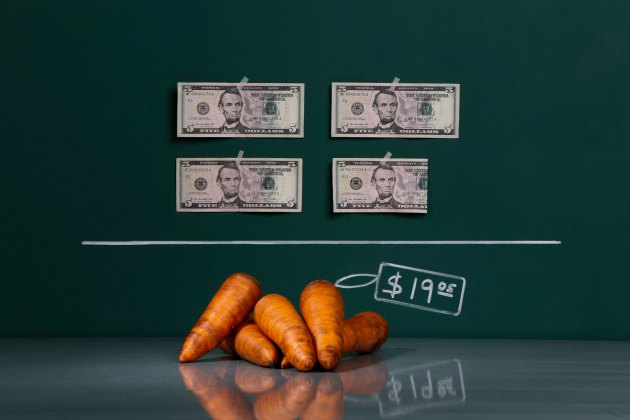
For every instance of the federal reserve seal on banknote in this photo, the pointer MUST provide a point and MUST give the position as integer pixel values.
(232, 110)
(245, 185)
(376, 186)
(405, 110)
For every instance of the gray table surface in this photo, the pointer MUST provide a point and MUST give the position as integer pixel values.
(406, 379)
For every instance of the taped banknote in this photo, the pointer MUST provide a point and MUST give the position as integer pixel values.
(234, 110)
(242, 185)
(363, 185)
(406, 110)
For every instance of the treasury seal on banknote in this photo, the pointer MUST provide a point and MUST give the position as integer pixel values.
(356, 183)
(357, 108)
(201, 184)
(203, 108)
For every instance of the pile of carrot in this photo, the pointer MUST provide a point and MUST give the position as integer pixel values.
(269, 331)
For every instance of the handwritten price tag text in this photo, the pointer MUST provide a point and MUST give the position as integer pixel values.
(420, 289)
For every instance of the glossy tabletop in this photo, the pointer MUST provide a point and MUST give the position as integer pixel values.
(406, 379)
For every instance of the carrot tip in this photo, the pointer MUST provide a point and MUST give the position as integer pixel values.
(306, 364)
(329, 359)
(284, 363)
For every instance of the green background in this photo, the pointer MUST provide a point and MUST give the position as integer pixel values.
(89, 149)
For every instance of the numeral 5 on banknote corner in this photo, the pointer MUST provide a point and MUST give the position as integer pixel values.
(420, 289)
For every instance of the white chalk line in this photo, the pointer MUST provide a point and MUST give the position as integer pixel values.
(315, 242)
(372, 279)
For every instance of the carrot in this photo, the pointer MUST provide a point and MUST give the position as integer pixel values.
(288, 401)
(284, 363)
(328, 401)
(227, 345)
(230, 305)
(248, 342)
(364, 333)
(215, 396)
(278, 320)
(322, 308)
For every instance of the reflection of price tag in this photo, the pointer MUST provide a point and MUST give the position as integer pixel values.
(421, 387)
(420, 289)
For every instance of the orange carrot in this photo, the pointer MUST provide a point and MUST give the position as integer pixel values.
(364, 333)
(248, 342)
(227, 345)
(216, 397)
(233, 301)
(278, 320)
(322, 308)
(284, 363)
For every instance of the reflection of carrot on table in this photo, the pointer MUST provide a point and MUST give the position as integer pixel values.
(364, 374)
(328, 401)
(217, 399)
(222, 369)
(288, 401)
(255, 380)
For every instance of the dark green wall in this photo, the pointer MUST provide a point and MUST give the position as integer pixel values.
(89, 152)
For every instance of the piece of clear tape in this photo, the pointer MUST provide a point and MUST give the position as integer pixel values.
(242, 83)
(239, 157)
(387, 156)
(392, 87)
